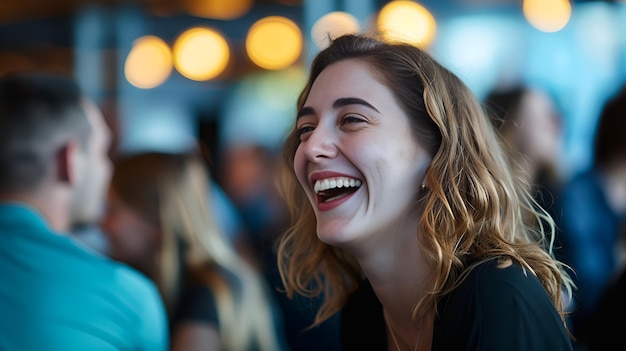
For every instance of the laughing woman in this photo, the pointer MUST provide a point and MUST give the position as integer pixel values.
(406, 215)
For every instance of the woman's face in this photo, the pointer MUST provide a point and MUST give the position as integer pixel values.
(538, 134)
(133, 239)
(358, 161)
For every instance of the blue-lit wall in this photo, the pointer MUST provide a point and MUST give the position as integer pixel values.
(486, 45)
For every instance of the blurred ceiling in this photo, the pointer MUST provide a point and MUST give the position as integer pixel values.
(41, 33)
(27, 10)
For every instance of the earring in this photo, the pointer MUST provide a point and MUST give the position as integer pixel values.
(423, 186)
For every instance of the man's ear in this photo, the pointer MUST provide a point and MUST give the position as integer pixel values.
(66, 162)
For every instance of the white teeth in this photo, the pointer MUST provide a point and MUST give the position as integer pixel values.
(339, 182)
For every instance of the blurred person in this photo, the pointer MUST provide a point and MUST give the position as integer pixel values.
(607, 324)
(531, 127)
(57, 294)
(405, 212)
(159, 221)
(594, 211)
(530, 124)
(249, 172)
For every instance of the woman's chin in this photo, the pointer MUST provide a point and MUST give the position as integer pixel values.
(337, 238)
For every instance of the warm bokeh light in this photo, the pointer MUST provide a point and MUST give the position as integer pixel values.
(274, 42)
(218, 9)
(407, 21)
(547, 15)
(201, 54)
(333, 25)
(149, 62)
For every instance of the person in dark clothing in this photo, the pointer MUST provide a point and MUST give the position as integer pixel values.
(158, 220)
(397, 184)
(594, 209)
(529, 122)
(466, 315)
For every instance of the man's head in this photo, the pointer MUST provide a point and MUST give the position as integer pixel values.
(52, 141)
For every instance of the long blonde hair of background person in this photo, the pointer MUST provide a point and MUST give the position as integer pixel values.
(475, 208)
(173, 191)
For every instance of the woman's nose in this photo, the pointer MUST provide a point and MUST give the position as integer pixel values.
(321, 144)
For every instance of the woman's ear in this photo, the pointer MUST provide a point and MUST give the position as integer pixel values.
(65, 162)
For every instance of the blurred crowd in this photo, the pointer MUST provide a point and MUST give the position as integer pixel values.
(196, 233)
(589, 207)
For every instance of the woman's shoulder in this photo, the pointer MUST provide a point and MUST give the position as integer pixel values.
(501, 273)
(500, 284)
(497, 304)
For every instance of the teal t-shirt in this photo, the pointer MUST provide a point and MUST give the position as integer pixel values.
(56, 294)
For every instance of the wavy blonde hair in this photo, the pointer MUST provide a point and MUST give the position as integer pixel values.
(171, 190)
(475, 208)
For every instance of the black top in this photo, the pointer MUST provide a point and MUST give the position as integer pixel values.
(608, 325)
(493, 309)
(198, 304)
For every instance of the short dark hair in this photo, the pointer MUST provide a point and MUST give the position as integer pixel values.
(38, 113)
(502, 104)
(609, 143)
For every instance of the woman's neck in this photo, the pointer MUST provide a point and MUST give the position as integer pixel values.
(398, 272)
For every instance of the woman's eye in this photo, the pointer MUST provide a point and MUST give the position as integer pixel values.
(303, 131)
(351, 119)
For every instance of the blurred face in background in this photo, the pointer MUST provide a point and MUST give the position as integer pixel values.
(537, 130)
(133, 238)
(93, 170)
(246, 172)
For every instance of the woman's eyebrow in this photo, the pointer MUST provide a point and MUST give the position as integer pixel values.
(341, 102)
(305, 111)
